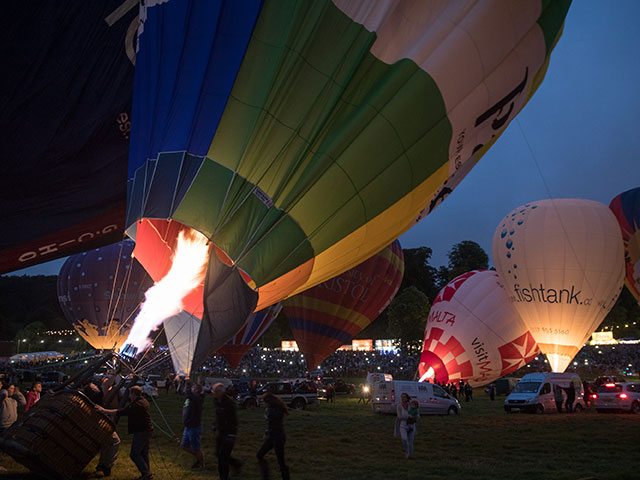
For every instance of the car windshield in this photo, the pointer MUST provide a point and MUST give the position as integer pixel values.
(526, 387)
(610, 388)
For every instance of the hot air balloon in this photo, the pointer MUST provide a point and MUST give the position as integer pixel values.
(302, 137)
(239, 345)
(474, 333)
(562, 263)
(330, 314)
(100, 291)
(626, 208)
(67, 86)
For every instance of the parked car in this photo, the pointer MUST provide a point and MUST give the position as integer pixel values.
(534, 393)
(432, 399)
(340, 387)
(618, 397)
(297, 398)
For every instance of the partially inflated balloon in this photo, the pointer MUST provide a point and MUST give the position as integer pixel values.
(248, 335)
(302, 137)
(473, 333)
(330, 314)
(562, 262)
(100, 292)
(626, 208)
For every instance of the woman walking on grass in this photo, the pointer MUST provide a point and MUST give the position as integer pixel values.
(407, 416)
(274, 436)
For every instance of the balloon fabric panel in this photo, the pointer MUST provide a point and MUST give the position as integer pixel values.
(66, 103)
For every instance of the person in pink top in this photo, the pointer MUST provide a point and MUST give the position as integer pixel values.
(33, 396)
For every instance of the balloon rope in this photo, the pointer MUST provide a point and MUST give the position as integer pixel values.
(121, 291)
(164, 419)
(160, 330)
(546, 186)
(115, 277)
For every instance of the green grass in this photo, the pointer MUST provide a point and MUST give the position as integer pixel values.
(346, 441)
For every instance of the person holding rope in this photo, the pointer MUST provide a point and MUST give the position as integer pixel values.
(140, 426)
(192, 419)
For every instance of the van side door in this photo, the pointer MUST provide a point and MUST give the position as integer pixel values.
(440, 402)
(545, 397)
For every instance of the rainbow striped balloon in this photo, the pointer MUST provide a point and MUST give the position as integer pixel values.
(330, 314)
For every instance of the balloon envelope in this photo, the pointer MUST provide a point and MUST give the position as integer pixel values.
(66, 86)
(474, 333)
(626, 208)
(100, 291)
(258, 323)
(330, 314)
(562, 263)
(302, 137)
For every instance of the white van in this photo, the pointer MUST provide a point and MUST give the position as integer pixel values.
(534, 393)
(433, 400)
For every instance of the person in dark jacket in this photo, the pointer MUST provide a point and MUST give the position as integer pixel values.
(571, 397)
(226, 428)
(192, 420)
(274, 436)
(140, 426)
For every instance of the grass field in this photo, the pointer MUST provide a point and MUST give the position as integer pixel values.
(346, 441)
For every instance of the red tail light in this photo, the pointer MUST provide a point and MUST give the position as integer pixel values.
(594, 396)
(393, 395)
(610, 385)
(623, 395)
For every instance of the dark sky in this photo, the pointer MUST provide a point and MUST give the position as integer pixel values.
(583, 126)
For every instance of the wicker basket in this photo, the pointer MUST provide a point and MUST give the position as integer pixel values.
(59, 435)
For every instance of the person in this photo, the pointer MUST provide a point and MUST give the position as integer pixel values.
(110, 390)
(492, 391)
(403, 428)
(274, 437)
(586, 395)
(253, 395)
(140, 426)
(571, 397)
(558, 397)
(192, 420)
(9, 401)
(414, 412)
(468, 392)
(109, 453)
(331, 393)
(365, 394)
(33, 396)
(226, 428)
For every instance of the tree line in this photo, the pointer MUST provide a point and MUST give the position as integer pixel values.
(29, 304)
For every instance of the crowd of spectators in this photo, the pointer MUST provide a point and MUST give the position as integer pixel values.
(591, 361)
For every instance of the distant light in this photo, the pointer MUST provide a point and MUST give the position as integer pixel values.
(59, 341)
(24, 340)
(77, 339)
(41, 341)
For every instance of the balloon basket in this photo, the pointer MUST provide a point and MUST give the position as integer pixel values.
(59, 435)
